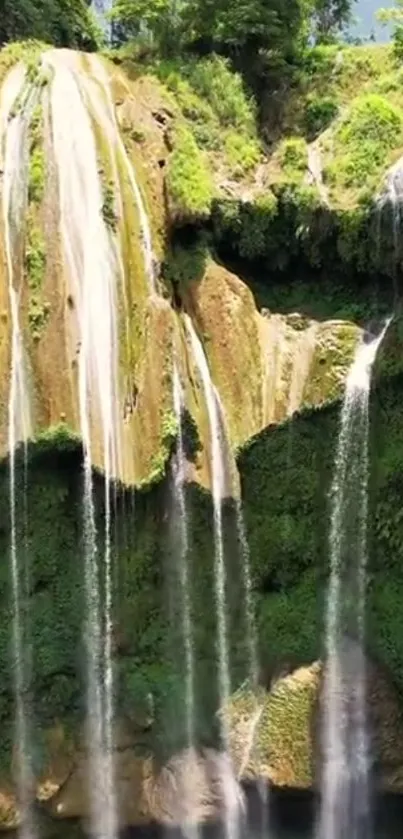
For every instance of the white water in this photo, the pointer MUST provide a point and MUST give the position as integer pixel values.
(179, 466)
(14, 143)
(107, 119)
(101, 9)
(392, 196)
(301, 362)
(345, 804)
(92, 265)
(231, 800)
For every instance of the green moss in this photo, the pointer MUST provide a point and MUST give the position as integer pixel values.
(38, 316)
(108, 205)
(36, 174)
(334, 352)
(27, 51)
(35, 257)
(35, 249)
(159, 463)
(188, 180)
(56, 438)
(287, 725)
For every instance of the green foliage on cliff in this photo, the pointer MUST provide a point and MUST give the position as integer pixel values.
(108, 205)
(35, 249)
(265, 39)
(36, 175)
(218, 110)
(65, 23)
(286, 476)
(189, 182)
(361, 144)
(293, 158)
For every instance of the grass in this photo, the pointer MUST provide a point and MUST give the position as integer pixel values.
(217, 110)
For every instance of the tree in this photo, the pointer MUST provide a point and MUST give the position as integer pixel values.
(65, 23)
(329, 18)
(159, 19)
(240, 28)
(394, 16)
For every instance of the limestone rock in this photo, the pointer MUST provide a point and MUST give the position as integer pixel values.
(190, 788)
(276, 735)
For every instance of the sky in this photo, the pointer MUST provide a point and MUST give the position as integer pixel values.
(365, 11)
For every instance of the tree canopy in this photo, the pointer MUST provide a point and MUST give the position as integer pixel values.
(245, 29)
(65, 23)
(329, 17)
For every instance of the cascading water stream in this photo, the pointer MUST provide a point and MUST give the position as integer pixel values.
(102, 9)
(231, 801)
(104, 110)
(92, 264)
(392, 197)
(14, 142)
(179, 465)
(251, 639)
(345, 805)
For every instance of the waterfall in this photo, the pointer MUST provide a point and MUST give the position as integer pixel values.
(92, 264)
(391, 197)
(107, 119)
(231, 798)
(179, 466)
(345, 806)
(14, 143)
(102, 9)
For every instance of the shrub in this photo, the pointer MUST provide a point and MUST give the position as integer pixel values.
(243, 154)
(371, 130)
(186, 264)
(224, 90)
(188, 182)
(319, 113)
(371, 118)
(293, 156)
(398, 43)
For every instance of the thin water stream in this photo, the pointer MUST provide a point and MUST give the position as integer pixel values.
(218, 469)
(14, 142)
(345, 801)
(179, 490)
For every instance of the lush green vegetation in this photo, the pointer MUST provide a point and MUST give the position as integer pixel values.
(262, 37)
(35, 250)
(362, 142)
(289, 544)
(65, 23)
(189, 182)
